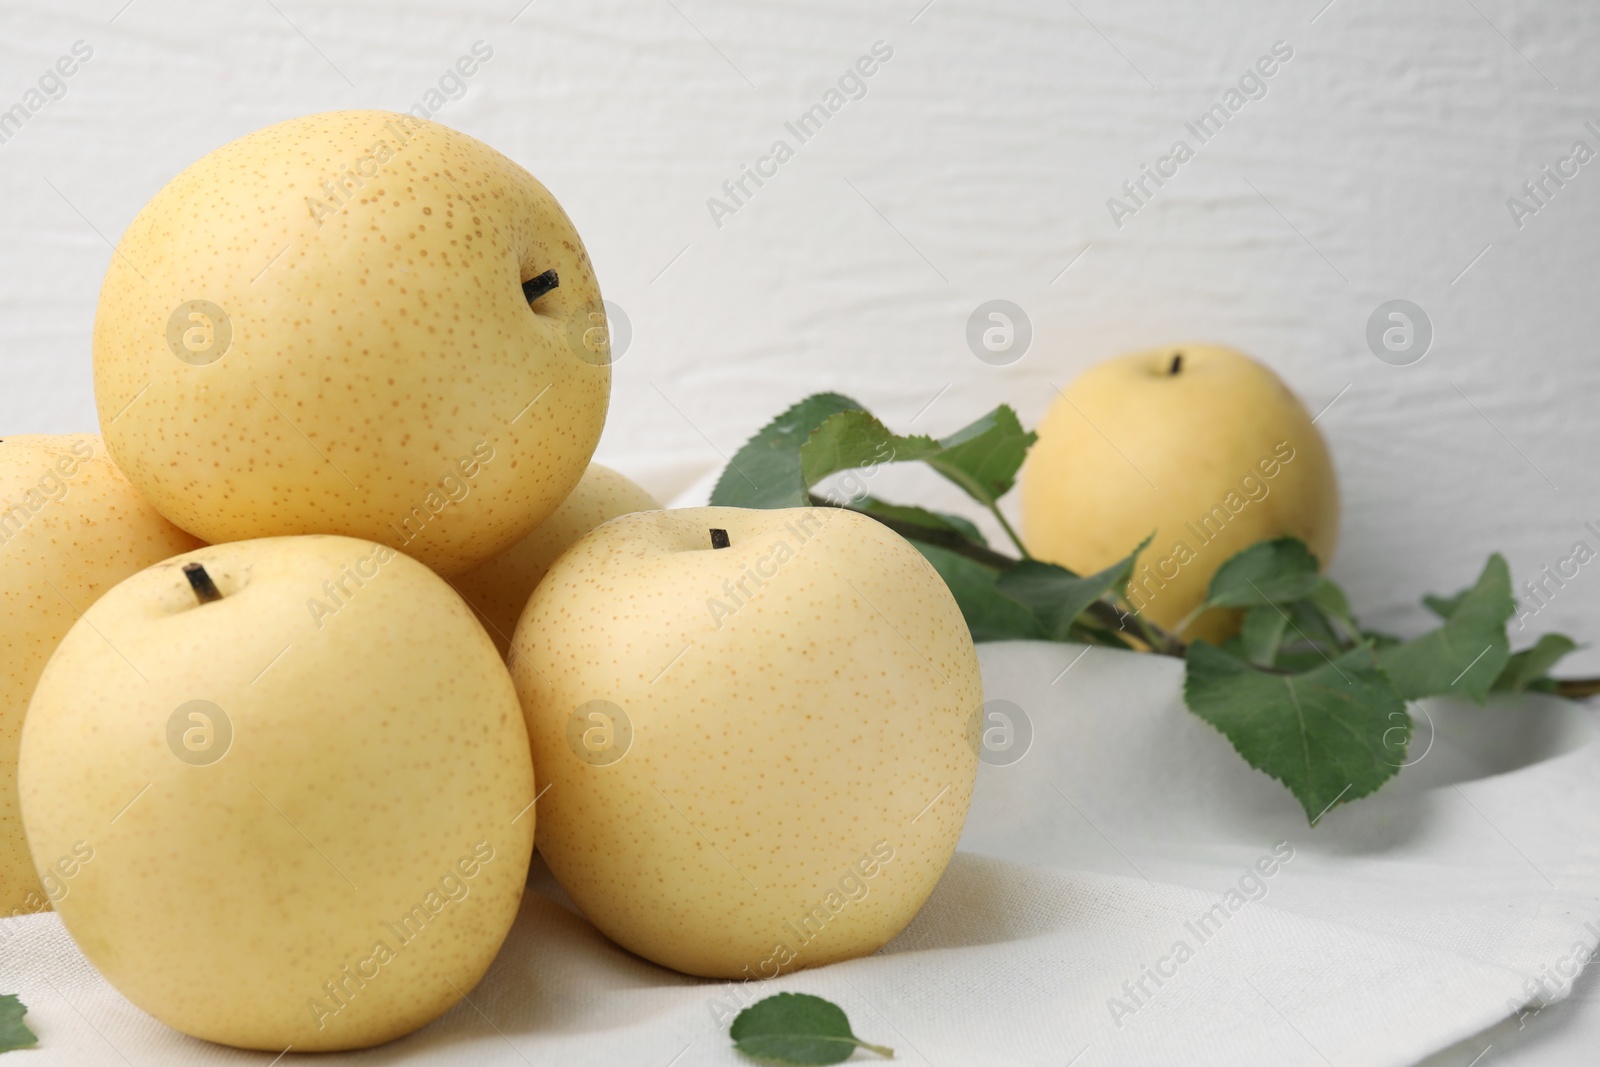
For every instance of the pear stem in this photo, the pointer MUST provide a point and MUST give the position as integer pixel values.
(205, 590)
(539, 285)
(719, 539)
(1177, 364)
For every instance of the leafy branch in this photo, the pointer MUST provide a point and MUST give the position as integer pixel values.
(1302, 691)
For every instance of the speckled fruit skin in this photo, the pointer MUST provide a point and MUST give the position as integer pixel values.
(1087, 492)
(71, 527)
(499, 589)
(827, 722)
(369, 757)
(380, 342)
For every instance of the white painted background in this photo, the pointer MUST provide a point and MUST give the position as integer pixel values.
(977, 166)
(1383, 156)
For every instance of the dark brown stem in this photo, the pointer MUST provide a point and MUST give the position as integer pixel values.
(205, 590)
(1102, 611)
(1577, 688)
(539, 285)
(1177, 364)
(1157, 637)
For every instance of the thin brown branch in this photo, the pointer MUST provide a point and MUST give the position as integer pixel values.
(932, 535)
(1577, 688)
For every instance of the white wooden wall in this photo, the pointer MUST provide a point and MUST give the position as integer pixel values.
(975, 164)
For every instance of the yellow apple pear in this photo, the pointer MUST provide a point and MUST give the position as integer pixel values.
(1199, 444)
(71, 527)
(357, 323)
(300, 772)
(759, 756)
(499, 589)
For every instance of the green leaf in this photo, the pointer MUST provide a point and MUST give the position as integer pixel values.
(14, 1033)
(856, 439)
(1444, 606)
(990, 615)
(1329, 733)
(1380, 640)
(1295, 660)
(1269, 572)
(935, 520)
(1331, 601)
(1056, 596)
(983, 457)
(797, 1028)
(1297, 635)
(828, 433)
(765, 473)
(1308, 623)
(1468, 652)
(1262, 633)
(1093, 633)
(1528, 669)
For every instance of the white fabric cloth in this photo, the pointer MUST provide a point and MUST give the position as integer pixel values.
(1398, 926)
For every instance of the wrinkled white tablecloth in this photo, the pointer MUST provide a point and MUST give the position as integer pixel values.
(1398, 926)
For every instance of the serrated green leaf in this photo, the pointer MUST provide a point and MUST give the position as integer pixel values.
(1057, 596)
(1261, 633)
(766, 472)
(1269, 572)
(1467, 653)
(990, 615)
(852, 439)
(935, 520)
(1331, 734)
(1528, 668)
(984, 456)
(14, 1033)
(828, 433)
(797, 1028)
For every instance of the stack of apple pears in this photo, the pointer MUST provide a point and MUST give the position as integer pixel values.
(270, 762)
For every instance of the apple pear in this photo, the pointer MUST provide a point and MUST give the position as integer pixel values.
(1198, 444)
(499, 589)
(357, 323)
(71, 527)
(297, 788)
(758, 730)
